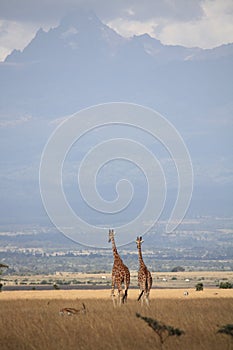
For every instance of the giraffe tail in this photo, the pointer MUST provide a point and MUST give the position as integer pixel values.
(140, 295)
(146, 285)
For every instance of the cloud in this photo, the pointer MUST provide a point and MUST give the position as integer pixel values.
(15, 35)
(213, 29)
(207, 25)
(12, 123)
(53, 9)
(129, 28)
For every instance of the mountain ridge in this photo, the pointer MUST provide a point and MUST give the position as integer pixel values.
(74, 25)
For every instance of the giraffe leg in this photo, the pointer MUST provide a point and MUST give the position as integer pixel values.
(113, 286)
(119, 299)
(140, 297)
(126, 286)
(147, 299)
(114, 300)
(120, 295)
(113, 292)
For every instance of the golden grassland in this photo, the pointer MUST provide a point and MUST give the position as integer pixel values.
(214, 293)
(31, 320)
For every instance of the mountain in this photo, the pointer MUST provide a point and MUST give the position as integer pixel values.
(77, 36)
(74, 64)
(83, 62)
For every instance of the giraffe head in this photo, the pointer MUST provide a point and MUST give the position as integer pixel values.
(139, 241)
(110, 235)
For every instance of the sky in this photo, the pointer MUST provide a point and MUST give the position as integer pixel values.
(199, 23)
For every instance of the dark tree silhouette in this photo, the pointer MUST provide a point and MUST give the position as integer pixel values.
(199, 287)
(3, 266)
(226, 329)
(162, 330)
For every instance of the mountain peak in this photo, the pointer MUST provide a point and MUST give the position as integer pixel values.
(80, 32)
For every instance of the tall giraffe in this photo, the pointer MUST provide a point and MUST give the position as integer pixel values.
(144, 275)
(120, 273)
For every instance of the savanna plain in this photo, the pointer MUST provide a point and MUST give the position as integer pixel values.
(31, 320)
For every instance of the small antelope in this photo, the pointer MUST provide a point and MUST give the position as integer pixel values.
(72, 311)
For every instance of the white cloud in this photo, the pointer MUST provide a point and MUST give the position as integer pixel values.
(214, 29)
(17, 35)
(13, 122)
(129, 28)
(14, 35)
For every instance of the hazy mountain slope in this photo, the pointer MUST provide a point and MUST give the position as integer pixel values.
(84, 62)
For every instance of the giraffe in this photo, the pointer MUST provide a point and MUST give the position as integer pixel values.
(144, 275)
(120, 273)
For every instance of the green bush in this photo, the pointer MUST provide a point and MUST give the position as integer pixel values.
(199, 287)
(76, 282)
(225, 285)
(59, 282)
(226, 329)
(178, 269)
(43, 282)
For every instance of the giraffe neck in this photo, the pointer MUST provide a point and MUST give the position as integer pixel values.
(114, 250)
(141, 262)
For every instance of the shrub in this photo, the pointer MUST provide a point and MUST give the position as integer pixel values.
(59, 282)
(76, 282)
(178, 268)
(225, 285)
(43, 282)
(226, 329)
(199, 286)
(162, 330)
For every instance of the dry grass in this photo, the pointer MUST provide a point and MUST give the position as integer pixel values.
(35, 323)
(215, 293)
